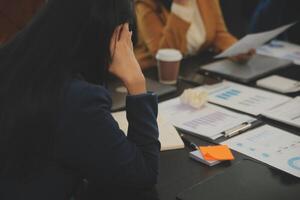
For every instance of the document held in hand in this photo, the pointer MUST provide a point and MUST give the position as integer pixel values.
(253, 41)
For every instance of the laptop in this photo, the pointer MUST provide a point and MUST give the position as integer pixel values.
(258, 66)
(119, 92)
(247, 180)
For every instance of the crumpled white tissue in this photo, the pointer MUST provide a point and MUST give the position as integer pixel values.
(194, 98)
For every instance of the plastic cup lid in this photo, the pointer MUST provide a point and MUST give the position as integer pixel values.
(169, 55)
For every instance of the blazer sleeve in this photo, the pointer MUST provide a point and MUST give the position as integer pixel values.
(92, 143)
(223, 38)
(157, 34)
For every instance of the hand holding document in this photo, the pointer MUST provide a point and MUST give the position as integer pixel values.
(168, 136)
(253, 41)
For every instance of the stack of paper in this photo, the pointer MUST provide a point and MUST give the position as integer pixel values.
(168, 136)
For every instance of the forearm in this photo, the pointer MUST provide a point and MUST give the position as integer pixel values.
(142, 118)
(223, 41)
(143, 130)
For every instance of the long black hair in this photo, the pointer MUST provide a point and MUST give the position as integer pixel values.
(66, 38)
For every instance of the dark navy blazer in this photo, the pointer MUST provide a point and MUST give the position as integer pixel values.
(90, 146)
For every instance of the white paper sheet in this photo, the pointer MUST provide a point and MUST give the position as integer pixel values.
(288, 112)
(243, 98)
(168, 136)
(209, 121)
(279, 83)
(270, 145)
(281, 49)
(253, 41)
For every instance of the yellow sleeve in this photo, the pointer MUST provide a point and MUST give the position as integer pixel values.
(223, 38)
(157, 34)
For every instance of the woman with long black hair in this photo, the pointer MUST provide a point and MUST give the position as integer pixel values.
(56, 128)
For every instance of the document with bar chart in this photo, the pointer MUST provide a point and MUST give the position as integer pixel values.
(243, 98)
(209, 121)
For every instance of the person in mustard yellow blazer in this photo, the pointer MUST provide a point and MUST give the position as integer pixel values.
(190, 26)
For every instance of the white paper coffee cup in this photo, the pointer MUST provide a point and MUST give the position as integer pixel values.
(168, 61)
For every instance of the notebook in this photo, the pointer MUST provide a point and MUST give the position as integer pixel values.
(257, 67)
(246, 180)
(168, 135)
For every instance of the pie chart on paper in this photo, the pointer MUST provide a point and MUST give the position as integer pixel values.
(294, 163)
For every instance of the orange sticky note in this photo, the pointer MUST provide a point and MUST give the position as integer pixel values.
(220, 152)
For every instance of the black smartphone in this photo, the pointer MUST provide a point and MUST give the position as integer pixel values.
(198, 79)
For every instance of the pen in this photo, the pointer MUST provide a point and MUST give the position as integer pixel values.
(191, 144)
(241, 128)
(237, 130)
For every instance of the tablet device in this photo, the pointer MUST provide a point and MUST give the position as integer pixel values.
(258, 66)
